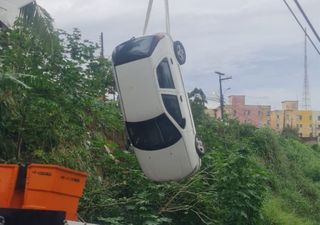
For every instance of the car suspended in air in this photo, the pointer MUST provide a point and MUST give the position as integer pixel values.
(155, 106)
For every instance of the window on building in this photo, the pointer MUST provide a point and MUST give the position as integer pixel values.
(278, 117)
(310, 126)
(234, 112)
(278, 125)
(300, 125)
(318, 118)
(300, 134)
(310, 117)
(259, 113)
(311, 135)
(164, 75)
(171, 104)
(318, 134)
(300, 117)
(319, 126)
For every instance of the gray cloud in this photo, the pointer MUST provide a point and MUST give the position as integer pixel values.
(255, 41)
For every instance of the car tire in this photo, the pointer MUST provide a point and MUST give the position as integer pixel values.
(199, 147)
(128, 145)
(179, 52)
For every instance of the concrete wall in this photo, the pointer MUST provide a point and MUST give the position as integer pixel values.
(289, 105)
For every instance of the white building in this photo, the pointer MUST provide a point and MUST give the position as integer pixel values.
(10, 9)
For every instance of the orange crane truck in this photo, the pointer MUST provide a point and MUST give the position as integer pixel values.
(40, 195)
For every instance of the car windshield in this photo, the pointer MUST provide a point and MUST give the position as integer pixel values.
(154, 134)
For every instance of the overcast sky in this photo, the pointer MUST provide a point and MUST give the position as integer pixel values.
(257, 42)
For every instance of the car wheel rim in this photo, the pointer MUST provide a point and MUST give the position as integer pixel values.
(199, 147)
(180, 52)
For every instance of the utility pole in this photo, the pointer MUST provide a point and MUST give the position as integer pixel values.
(101, 45)
(221, 78)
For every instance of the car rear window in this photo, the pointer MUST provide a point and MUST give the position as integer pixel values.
(154, 134)
(164, 75)
(134, 49)
(171, 104)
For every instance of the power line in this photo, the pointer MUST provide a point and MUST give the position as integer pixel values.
(297, 20)
(307, 19)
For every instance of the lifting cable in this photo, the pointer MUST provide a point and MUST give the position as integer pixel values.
(166, 2)
(146, 23)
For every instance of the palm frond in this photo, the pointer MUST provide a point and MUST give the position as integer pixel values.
(39, 21)
(33, 15)
(15, 78)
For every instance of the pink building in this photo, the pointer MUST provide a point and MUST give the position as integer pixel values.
(257, 115)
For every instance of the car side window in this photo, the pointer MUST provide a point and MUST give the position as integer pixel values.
(164, 75)
(171, 104)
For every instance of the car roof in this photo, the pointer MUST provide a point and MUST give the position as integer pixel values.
(135, 48)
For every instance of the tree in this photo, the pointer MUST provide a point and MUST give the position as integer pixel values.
(290, 132)
(198, 102)
(64, 100)
(197, 96)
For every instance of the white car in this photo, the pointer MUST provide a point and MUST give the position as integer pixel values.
(155, 106)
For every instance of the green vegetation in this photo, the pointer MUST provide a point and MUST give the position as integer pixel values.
(53, 110)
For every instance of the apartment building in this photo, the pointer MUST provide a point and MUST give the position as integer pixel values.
(316, 123)
(286, 117)
(307, 123)
(257, 115)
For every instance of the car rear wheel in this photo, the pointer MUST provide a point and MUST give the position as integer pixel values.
(199, 147)
(180, 52)
(128, 145)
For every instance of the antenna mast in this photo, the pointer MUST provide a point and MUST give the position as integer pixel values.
(306, 93)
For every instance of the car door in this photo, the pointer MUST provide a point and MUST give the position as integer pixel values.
(168, 91)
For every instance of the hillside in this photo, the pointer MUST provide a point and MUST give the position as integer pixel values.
(53, 110)
(291, 169)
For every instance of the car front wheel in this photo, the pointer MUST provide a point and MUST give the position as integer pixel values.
(180, 52)
(199, 147)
